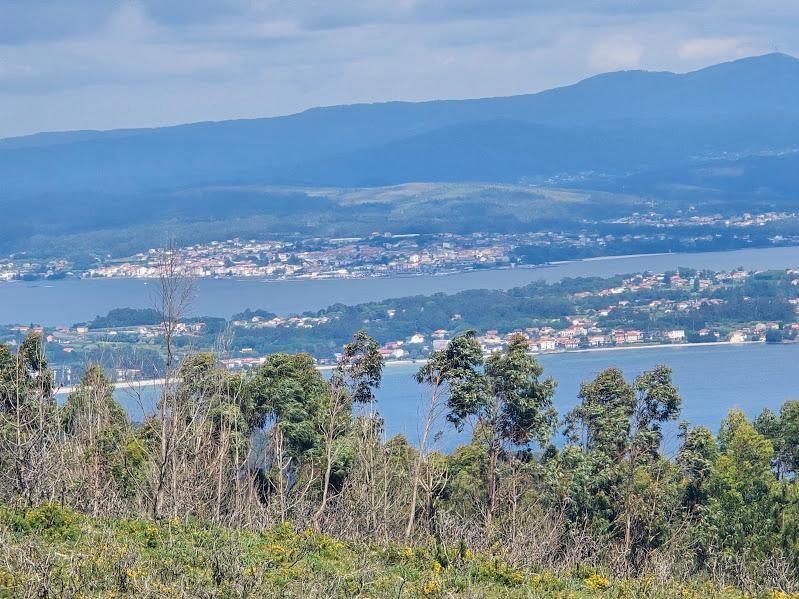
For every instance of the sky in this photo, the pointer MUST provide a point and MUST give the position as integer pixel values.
(105, 64)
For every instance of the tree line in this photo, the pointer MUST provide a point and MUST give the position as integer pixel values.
(284, 444)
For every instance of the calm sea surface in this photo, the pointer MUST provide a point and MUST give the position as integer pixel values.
(75, 300)
(711, 379)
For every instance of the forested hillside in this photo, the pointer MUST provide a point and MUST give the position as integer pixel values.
(721, 134)
(619, 111)
(282, 483)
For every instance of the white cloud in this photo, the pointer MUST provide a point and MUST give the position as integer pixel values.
(100, 63)
(715, 48)
(615, 53)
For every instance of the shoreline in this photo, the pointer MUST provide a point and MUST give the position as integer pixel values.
(442, 273)
(655, 346)
(133, 385)
(350, 277)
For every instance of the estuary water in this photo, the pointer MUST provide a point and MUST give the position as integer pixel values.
(712, 380)
(75, 300)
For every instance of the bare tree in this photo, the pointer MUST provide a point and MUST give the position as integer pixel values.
(27, 420)
(455, 384)
(437, 382)
(173, 301)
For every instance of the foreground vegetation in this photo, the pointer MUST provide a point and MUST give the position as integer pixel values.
(282, 482)
(53, 551)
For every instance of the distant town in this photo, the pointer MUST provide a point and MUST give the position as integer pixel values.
(386, 254)
(677, 307)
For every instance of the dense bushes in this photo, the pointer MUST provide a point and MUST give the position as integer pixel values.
(206, 496)
(137, 558)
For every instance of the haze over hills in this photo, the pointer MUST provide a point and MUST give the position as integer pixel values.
(618, 122)
(725, 133)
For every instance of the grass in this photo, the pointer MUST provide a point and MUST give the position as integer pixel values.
(49, 551)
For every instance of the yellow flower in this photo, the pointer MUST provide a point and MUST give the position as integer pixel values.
(597, 582)
(278, 550)
(431, 587)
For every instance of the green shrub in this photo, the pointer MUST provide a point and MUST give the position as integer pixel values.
(53, 520)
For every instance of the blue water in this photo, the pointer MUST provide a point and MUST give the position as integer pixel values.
(74, 300)
(711, 379)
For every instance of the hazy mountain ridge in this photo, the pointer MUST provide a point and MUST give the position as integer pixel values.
(774, 177)
(722, 135)
(517, 151)
(617, 121)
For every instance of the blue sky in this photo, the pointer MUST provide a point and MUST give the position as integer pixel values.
(100, 64)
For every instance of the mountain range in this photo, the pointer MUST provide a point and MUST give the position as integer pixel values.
(610, 126)
(725, 135)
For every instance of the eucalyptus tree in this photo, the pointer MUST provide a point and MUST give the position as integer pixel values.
(620, 428)
(213, 434)
(107, 457)
(517, 409)
(359, 369)
(783, 431)
(505, 396)
(696, 459)
(742, 515)
(457, 390)
(287, 393)
(357, 375)
(28, 425)
(789, 437)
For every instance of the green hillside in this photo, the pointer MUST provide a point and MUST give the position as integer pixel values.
(281, 482)
(82, 557)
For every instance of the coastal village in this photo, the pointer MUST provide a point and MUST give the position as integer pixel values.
(387, 254)
(582, 331)
(381, 254)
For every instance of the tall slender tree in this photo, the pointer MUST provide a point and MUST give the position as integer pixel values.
(518, 410)
(358, 373)
(28, 424)
(457, 389)
(620, 427)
